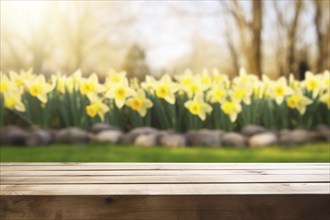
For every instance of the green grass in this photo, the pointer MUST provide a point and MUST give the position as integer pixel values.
(108, 153)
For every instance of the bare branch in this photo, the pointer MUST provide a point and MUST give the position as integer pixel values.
(280, 16)
(238, 13)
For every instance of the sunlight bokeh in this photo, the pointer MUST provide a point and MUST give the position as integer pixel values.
(93, 36)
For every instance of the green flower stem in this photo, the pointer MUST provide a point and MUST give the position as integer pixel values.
(63, 105)
(284, 116)
(3, 112)
(161, 115)
(216, 116)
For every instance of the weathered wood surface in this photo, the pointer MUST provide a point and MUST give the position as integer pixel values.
(163, 166)
(221, 207)
(164, 191)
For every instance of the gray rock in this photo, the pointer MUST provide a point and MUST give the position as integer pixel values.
(263, 139)
(297, 136)
(234, 139)
(146, 140)
(127, 138)
(108, 136)
(321, 127)
(162, 133)
(250, 130)
(204, 137)
(130, 137)
(13, 135)
(323, 132)
(73, 135)
(283, 132)
(173, 140)
(99, 127)
(40, 137)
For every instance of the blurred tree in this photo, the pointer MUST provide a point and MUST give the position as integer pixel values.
(69, 36)
(84, 37)
(322, 28)
(26, 50)
(135, 64)
(303, 65)
(14, 59)
(289, 30)
(232, 49)
(205, 54)
(250, 33)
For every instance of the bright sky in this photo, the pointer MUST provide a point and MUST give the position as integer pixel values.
(165, 29)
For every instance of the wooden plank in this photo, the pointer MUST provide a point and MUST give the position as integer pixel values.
(165, 179)
(160, 167)
(164, 191)
(9, 180)
(161, 172)
(288, 207)
(167, 189)
(165, 165)
(147, 164)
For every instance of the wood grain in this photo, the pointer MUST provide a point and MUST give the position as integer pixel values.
(263, 207)
(7, 180)
(159, 172)
(163, 166)
(167, 189)
(159, 191)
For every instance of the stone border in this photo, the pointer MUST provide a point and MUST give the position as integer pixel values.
(252, 136)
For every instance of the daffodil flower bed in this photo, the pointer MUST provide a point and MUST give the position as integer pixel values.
(186, 102)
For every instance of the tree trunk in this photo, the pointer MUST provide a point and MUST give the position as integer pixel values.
(322, 62)
(292, 33)
(250, 35)
(256, 38)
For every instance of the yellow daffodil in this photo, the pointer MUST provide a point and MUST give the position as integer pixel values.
(140, 103)
(5, 84)
(220, 79)
(313, 83)
(186, 78)
(39, 88)
(194, 88)
(325, 81)
(91, 86)
(244, 79)
(216, 95)
(114, 77)
(279, 90)
(232, 109)
(198, 107)
(97, 107)
(259, 90)
(20, 79)
(193, 85)
(293, 83)
(120, 92)
(74, 81)
(205, 78)
(134, 83)
(165, 89)
(325, 98)
(299, 102)
(266, 82)
(244, 94)
(60, 82)
(13, 100)
(149, 84)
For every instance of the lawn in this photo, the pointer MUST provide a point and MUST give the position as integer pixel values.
(108, 153)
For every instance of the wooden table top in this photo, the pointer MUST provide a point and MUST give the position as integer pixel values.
(53, 179)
